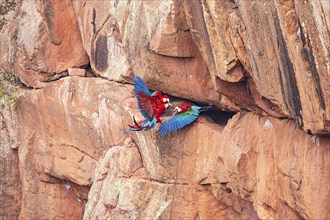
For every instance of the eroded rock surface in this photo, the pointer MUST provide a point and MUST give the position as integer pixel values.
(230, 57)
(10, 183)
(40, 40)
(281, 45)
(126, 187)
(243, 168)
(61, 137)
(156, 45)
(269, 162)
(249, 168)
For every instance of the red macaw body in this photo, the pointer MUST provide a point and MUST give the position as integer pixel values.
(151, 105)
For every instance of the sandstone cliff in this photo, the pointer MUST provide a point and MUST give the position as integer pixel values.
(66, 96)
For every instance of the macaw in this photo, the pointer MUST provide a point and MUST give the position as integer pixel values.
(185, 115)
(151, 105)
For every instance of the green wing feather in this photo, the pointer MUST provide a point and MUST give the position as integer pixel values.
(179, 121)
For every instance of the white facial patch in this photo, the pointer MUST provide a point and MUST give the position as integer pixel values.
(178, 109)
(164, 99)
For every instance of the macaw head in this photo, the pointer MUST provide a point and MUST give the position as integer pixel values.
(166, 101)
(184, 107)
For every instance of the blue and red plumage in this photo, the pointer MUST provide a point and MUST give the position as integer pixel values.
(186, 114)
(151, 105)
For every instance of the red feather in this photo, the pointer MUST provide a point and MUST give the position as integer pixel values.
(153, 106)
(147, 104)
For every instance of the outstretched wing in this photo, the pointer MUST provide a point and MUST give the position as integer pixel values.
(178, 121)
(143, 94)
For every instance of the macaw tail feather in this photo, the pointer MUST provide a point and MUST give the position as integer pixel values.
(206, 108)
(137, 126)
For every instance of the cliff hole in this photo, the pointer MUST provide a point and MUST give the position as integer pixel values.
(218, 116)
(89, 71)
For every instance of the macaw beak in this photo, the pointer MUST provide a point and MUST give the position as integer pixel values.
(167, 105)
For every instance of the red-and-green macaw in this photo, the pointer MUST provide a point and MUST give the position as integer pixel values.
(185, 115)
(151, 105)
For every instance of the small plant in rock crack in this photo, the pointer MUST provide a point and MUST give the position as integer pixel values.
(9, 85)
(10, 76)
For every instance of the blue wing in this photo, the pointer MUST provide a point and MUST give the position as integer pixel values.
(179, 121)
(143, 94)
(140, 86)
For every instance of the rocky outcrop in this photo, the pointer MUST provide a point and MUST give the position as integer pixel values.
(64, 148)
(139, 190)
(252, 175)
(269, 161)
(61, 137)
(278, 47)
(42, 40)
(235, 53)
(156, 45)
(10, 184)
(245, 169)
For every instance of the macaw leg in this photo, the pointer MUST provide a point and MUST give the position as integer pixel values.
(158, 120)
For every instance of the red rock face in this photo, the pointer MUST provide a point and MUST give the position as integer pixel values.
(58, 154)
(273, 167)
(156, 45)
(10, 183)
(271, 42)
(42, 41)
(65, 152)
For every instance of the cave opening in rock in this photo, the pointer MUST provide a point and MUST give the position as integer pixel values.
(218, 116)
